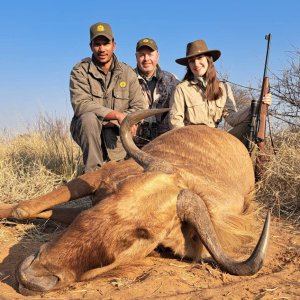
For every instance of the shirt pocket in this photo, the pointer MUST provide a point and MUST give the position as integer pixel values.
(220, 104)
(196, 111)
(97, 93)
(121, 98)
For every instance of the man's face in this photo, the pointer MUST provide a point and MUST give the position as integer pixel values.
(103, 49)
(147, 60)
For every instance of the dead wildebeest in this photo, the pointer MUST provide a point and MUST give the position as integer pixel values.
(190, 190)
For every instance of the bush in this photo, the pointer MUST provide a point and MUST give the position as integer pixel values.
(280, 187)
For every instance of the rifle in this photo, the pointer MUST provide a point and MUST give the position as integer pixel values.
(259, 112)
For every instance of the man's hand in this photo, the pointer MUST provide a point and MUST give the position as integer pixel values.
(267, 99)
(118, 116)
(115, 116)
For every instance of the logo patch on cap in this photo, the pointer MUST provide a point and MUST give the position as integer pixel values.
(100, 28)
(122, 84)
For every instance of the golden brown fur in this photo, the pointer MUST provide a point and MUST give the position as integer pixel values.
(136, 210)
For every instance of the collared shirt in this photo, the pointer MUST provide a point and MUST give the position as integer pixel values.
(160, 97)
(106, 77)
(150, 82)
(94, 91)
(189, 105)
(202, 81)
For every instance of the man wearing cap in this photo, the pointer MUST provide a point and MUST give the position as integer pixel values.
(103, 90)
(157, 86)
(202, 99)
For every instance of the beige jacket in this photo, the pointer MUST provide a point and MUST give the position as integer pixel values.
(89, 92)
(190, 106)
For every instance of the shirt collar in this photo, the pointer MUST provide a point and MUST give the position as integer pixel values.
(95, 68)
(201, 80)
(96, 63)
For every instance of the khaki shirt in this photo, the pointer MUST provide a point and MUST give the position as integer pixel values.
(92, 92)
(190, 106)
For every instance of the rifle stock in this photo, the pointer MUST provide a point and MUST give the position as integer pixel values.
(261, 130)
(261, 157)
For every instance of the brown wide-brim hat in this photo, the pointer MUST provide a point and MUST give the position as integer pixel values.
(196, 48)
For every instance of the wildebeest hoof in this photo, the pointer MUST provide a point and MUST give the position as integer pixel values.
(20, 213)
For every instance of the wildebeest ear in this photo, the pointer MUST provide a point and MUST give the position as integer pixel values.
(192, 209)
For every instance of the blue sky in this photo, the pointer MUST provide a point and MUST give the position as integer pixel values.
(41, 40)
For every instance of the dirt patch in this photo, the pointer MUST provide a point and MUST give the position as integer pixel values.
(165, 278)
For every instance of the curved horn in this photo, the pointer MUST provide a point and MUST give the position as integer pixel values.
(191, 208)
(147, 161)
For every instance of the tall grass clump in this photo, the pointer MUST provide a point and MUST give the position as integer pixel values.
(280, 187)
(35, 162)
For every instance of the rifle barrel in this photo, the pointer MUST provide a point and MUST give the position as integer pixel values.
(268, 38)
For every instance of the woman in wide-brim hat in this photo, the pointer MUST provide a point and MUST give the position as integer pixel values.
(203, 99)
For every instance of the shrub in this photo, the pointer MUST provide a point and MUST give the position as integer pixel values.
(35, 162)
(280, 187)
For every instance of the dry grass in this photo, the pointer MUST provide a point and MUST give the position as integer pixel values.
(280, 187)
(28, 231)
(34, 163)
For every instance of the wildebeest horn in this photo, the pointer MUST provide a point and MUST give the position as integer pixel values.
(192, 209)
(147, 161)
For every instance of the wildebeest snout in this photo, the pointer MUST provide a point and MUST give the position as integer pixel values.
(33, 277)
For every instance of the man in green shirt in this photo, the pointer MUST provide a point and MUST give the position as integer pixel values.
(103, 90)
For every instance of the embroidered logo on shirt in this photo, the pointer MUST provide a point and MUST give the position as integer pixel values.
(100, 28)
(122, 84)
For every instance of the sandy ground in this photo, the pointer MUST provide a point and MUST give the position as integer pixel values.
(165, 278)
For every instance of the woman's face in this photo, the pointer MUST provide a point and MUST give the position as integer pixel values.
(198, 65)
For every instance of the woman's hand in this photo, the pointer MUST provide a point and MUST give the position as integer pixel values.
(267, 99)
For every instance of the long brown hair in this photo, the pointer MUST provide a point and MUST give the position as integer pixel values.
(213, 90)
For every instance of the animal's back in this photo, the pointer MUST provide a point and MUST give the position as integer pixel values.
(206, 152)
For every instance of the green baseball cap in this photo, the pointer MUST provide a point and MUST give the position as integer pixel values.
(146, 42)
(99, 29)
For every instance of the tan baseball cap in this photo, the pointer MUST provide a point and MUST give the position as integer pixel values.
(146, 42)
(99, 29)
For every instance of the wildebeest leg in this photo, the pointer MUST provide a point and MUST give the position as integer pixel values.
(192, 209)
(6, 210)
(79, 187)
(62, 214)
(138, 250)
